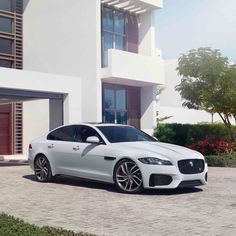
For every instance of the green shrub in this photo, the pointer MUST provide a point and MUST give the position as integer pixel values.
(221, 161)
(10, 226)
(186, 134)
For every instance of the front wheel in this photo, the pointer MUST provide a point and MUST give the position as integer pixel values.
(127, 177)
(42, 169)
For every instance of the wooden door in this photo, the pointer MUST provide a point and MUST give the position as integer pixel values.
(5, 130)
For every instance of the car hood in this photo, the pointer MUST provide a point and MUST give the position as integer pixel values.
(158, 149)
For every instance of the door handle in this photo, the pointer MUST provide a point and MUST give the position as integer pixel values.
(76, 148)
(51, 146)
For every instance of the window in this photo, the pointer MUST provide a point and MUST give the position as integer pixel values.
(113, 30)
(6, 5)
(85, 131)
(6, 24)
(115, 105)
(117, 134)
(67, 133)
(6, 63)
(6, 45)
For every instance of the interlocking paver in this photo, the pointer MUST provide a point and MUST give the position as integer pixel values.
(98, 208)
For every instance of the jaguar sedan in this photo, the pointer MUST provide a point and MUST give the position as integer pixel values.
(119, 154)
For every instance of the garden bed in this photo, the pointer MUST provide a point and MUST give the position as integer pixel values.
(221, 161)
(16, 227)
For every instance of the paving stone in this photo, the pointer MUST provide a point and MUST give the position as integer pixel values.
(98, 208)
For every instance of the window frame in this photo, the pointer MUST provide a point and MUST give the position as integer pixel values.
(115, 110)
(113, 33)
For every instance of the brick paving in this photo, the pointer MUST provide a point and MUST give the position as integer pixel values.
(97, 208)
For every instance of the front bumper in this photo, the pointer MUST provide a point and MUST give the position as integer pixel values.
(171, 177)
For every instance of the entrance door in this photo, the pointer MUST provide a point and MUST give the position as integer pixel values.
(5, 133)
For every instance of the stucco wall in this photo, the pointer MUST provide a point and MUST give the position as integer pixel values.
(35, 121)
(64, 37)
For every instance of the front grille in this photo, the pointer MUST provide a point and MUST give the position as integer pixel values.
(159, 180)
(191, 166)
(189, 183)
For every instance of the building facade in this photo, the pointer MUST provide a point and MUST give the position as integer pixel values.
(108, 47)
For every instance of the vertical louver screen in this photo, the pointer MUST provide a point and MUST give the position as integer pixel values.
(18, 129)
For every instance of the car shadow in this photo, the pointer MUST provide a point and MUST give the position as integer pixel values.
(78, 182)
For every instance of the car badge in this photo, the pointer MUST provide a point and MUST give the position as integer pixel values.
(191, 163)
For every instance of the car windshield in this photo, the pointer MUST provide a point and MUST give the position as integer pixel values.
(118, 134)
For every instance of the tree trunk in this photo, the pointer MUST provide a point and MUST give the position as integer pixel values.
(228, 125)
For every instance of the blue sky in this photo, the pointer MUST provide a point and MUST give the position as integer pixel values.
(186, 24)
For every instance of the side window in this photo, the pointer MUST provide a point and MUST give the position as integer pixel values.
(84, 132)
(66, 133)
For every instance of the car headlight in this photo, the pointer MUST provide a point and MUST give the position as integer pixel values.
(155, 161)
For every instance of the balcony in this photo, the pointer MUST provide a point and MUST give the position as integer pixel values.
(133, 69)
(135, 6)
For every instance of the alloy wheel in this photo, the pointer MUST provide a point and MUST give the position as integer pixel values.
(128, 177)
(42, 169)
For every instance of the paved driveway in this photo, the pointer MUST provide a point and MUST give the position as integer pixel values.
(97, 208)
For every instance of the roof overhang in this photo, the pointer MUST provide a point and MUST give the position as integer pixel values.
(135, 6)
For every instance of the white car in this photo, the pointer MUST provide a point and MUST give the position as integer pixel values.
(118, 154)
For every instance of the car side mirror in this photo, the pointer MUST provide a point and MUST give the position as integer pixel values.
(93, 139)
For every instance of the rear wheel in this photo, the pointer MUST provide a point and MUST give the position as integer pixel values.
(128, 177)
(42, 169)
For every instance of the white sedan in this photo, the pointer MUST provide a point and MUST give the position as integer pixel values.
(119, 154)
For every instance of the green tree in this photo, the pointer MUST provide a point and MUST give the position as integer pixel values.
(208, 83)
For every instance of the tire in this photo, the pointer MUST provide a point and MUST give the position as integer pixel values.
(128, 177)
(42, 169)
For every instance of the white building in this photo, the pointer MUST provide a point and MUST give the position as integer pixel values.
(82, 61)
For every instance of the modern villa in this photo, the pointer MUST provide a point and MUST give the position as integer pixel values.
(76, 61)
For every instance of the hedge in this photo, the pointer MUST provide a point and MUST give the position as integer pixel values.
(10, 226)
(185, 134)
(221, 161)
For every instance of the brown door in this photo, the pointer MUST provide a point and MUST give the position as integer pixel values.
(4, 133)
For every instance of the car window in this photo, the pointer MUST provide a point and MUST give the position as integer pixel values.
(84, 132)
(116, 134)
(66, 133)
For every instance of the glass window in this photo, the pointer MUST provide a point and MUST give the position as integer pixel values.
(66, 133)
(107, 19)
(119, 22)
(85, 131)
(113, 28)
(119, 42)
(114, 103)
(116, 134)
(122, 117)
(109, 99)
(109, 117)
(6, 24)
(6, 45)
(120, 99)
(6, 5)
(108, 43)
(6, 63)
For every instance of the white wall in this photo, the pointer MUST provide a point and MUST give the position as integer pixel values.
(148, 109)
(70, 87)
(64, 37)
(35, 121)
(147, 31)
(170, 103)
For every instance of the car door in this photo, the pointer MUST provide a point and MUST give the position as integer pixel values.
(62, 147)
(93, 162)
